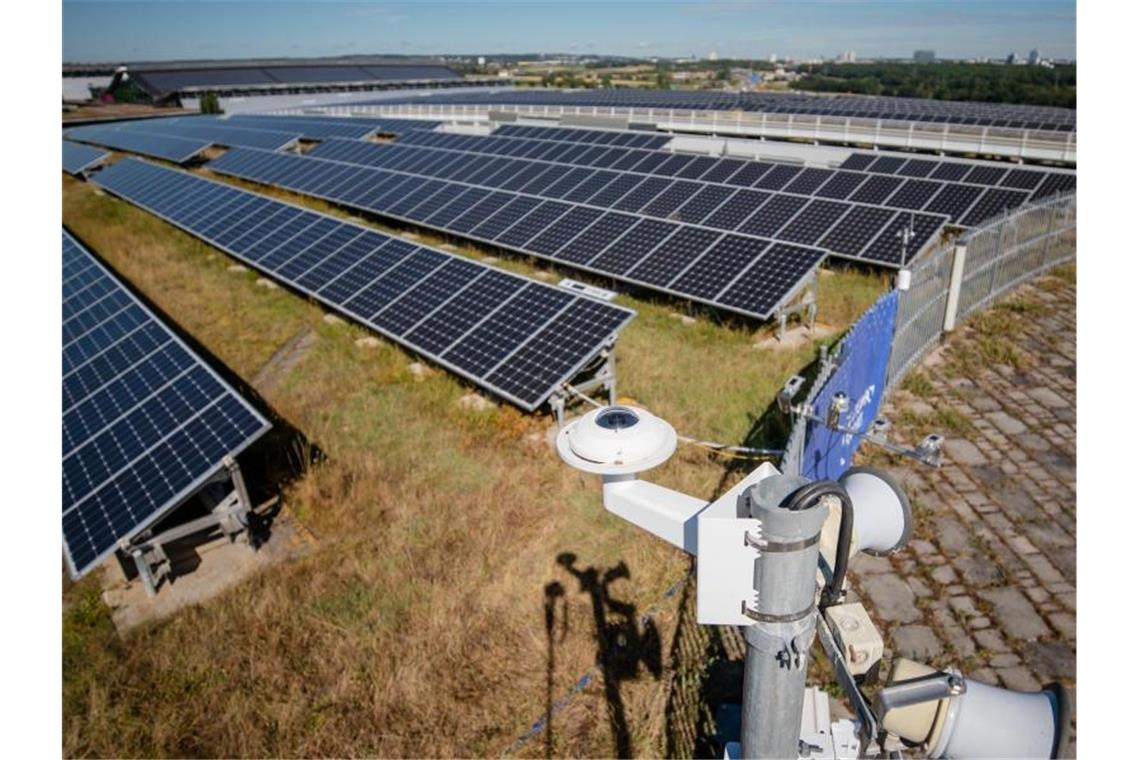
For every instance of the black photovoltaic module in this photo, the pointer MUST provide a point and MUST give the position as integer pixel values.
(145, 421)
(519, 339)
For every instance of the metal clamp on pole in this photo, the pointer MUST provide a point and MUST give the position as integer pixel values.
(784, 610)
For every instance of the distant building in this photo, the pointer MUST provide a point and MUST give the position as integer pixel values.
(924, 56)
(482, 61)
(772, 58)
(713, 56)
(168, 83)
(1013, 59)
(1034, 57)
(847, 56)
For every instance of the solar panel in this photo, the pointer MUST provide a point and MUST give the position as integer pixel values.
(953, 200)
(1055, 183)
(604, 188)
(78, 157)
(627, 102)
(559, 241)
(313, 128)
(384, 282)
(993, 203)
(867, 185)
(216, 131)
(176, 149)
(146, 422)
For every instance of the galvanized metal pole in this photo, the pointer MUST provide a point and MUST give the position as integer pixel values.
(775, 666)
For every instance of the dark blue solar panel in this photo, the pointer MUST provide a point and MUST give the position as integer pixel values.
(176, 149)
(77, 157)
(774, 214)
(674, 255)
(841, 185)
(701, 204)
(387, 283)
(766, 284)
(595, 238)
(953, 200)
(914, 194)
(145, 421)
(813, 222)
(995, 202)
(633, 246)
(723, 262)
(854, 231)
(736, 209)
(887, 246)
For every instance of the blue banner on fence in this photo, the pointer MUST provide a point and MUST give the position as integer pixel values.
(861, 374)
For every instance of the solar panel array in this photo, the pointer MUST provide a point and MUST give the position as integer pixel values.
(145, 421)
(596, 136)
(954, 189)
(1045, 118)
(517, 338)
(313, 127)
(650, 183)
(1034, 183)
(215, 131)
(77, 157)
(169, 147)
(740, 273)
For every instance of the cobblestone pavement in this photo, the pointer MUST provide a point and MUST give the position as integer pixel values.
(988, 583)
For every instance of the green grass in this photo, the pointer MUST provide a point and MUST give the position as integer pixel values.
(415, 627)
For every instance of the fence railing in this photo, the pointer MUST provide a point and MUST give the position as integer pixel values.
(992, 260)
(1028, 144)
(947, 285)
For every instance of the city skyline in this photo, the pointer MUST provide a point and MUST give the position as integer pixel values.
(98, 31)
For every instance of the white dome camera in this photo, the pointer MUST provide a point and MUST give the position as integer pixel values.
(616, 440)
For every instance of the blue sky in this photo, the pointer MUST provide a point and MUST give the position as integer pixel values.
(164, 29)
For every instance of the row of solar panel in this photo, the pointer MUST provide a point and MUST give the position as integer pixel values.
(739, 273)
(213, 132)
(846, 229)
(168, 147)
(380, 125)
(938, 195)
(1040, 183)
(620, 138)
(519, 339)
(900, 109)
(145, 420)
(181, 138)
(78, 158)
(986, 174)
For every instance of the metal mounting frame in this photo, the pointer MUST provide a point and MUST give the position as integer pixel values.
(231, 516)
(600, 372)
(809, 303)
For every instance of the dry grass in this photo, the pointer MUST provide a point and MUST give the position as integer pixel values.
(417, 627)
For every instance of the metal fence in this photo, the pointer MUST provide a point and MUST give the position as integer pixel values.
(955, 281)
(991, 260)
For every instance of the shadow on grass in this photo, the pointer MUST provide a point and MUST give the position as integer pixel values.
(625, 642)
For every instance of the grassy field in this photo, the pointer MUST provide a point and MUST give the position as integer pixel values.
(419, 624)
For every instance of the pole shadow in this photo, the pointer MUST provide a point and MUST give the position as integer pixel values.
(625, 642)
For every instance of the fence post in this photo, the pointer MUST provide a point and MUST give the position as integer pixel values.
(957, 267)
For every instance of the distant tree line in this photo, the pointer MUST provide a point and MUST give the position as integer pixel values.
(987, 82)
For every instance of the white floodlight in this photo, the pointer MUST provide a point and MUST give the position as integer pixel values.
(973, 719)
(882, 514)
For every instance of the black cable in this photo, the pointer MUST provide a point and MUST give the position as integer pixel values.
(807, 495)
